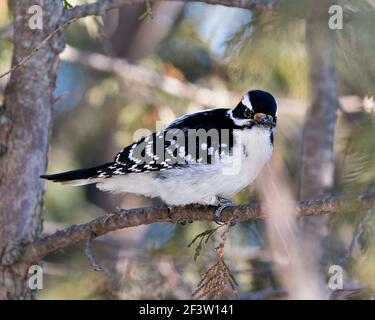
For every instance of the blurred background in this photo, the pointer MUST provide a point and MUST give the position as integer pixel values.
(126, 72)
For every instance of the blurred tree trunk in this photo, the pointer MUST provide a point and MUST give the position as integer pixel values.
(134, 39)
(121, 27)
(317, 174)
(317, 169)
(24, 132)
(153, 31)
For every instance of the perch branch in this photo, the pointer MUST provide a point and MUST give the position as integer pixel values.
(122, 218)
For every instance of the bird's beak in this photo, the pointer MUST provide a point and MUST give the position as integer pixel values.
(264, 120)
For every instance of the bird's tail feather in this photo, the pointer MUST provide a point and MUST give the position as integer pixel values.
(78, 177)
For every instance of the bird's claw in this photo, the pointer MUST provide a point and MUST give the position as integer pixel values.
(223, 203)
(169, 212)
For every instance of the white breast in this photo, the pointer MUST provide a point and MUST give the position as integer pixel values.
(256, 151)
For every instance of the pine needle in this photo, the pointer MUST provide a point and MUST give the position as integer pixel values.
(148, 12)
(218, 277)
(202, 238)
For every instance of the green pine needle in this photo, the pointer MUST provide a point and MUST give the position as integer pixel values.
(148, 13)
(203, 239)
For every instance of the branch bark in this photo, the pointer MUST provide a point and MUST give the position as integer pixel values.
(143, 216)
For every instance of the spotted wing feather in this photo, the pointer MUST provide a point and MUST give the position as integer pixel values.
(175, 146)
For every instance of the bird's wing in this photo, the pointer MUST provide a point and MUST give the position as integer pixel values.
(189, 140)
(205, 119)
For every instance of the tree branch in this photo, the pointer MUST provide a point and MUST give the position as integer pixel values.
(100, 7)
(144, 76)
(122, 218)
(147, 77)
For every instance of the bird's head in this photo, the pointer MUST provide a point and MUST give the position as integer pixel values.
(257, 108)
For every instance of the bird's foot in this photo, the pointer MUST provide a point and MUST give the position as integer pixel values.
(222, 204)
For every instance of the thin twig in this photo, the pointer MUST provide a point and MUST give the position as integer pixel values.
(37, 48)
(91, 258)
(148, 11)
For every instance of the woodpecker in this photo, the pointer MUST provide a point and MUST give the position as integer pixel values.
(203, 158)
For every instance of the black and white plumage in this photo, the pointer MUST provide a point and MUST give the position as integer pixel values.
(200, 158)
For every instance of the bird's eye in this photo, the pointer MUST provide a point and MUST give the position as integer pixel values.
(248, 113)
